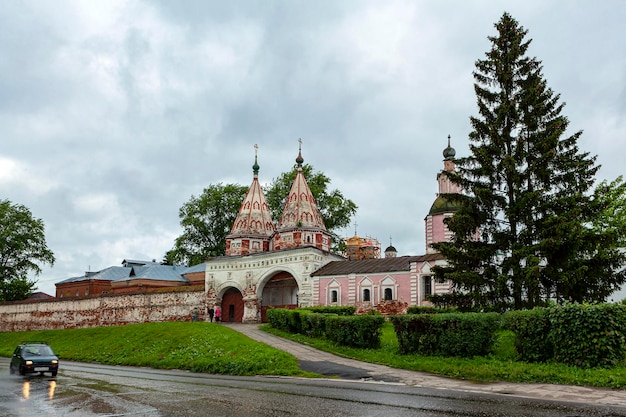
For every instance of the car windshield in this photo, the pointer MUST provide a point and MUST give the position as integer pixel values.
(40, 350)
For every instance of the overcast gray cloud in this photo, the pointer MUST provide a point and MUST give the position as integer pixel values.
(114, 113)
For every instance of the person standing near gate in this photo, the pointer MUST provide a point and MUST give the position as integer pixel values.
(218, 313)
(211, 313)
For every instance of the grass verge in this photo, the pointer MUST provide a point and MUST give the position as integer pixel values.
(212, 348)
(501, 365)
(193, 346)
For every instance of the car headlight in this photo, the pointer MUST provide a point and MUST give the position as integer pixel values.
(54, 361)
(29, 363)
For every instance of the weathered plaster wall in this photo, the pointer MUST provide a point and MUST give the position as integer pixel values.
(102, 311)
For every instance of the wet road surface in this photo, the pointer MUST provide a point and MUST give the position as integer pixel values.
(95, 390)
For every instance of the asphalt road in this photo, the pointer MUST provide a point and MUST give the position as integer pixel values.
(87, 390)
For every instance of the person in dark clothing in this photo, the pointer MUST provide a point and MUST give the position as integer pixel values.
(211, 313)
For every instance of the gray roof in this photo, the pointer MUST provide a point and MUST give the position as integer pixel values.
(373, 266)
(196, 268)
(112, 273)
(135, 262)
(157, 272)
(151, 270)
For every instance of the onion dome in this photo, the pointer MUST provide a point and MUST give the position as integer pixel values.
(449, 153)
(391, 252)
(443, 205)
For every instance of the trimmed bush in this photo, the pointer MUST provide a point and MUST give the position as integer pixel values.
(532, 329)
(431, 310)
(339, 310)
(464, 335)
(589, 336)
(284, 319)
(314, 324)
(355, 331)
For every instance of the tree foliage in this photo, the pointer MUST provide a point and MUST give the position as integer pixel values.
(22, 249)
(208, 218)
(524, 231)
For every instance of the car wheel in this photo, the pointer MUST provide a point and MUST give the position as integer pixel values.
(22, 371)
(54, 373)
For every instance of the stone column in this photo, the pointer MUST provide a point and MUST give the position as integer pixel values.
(212, 300)
(251, 310)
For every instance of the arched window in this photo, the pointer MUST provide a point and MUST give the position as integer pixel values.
(388, 288)
(365, 289)
(333, 293)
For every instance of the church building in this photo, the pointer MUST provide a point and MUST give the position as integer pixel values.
(289, 263)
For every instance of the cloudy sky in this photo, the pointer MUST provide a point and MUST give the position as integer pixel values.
(114, 113)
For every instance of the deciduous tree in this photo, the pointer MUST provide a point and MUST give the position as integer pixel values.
(22, 249)
(206, 220)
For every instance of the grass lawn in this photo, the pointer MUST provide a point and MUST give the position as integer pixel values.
(193, 346)
(212, 348)
(501, 365)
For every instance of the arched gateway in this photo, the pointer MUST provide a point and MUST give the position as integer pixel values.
(266, 264)
(245, 286)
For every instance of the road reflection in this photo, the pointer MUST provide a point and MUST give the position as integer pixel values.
(26, 395)
(41, 385)
(26, 390)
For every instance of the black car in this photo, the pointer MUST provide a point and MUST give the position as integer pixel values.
(33, 357)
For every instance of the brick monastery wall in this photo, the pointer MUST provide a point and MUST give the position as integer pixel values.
(108, 310)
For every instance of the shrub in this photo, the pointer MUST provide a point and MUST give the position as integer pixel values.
(314, 324)
(589, 336)
(355, 331)
(339, 310)
(284, 319)
(431, 310)
(464, 335)
(531, 328)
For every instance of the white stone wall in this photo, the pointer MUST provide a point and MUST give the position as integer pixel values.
(250, 273)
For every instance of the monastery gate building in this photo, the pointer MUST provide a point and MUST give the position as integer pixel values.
(290, 263)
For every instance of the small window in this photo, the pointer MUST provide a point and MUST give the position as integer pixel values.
(428, 288)
(388, 294)
(333, 296)
(366, 294)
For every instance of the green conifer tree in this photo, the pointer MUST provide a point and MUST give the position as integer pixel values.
(523, 232)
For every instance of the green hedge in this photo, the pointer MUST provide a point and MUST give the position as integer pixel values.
(339, 310)
(589, 335)
(532, 329)
(431, 310)
(356, 331)
(581, 335)
(454, 334)
(289, 321)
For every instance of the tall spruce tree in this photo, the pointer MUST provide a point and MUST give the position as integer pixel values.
(523, 232)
